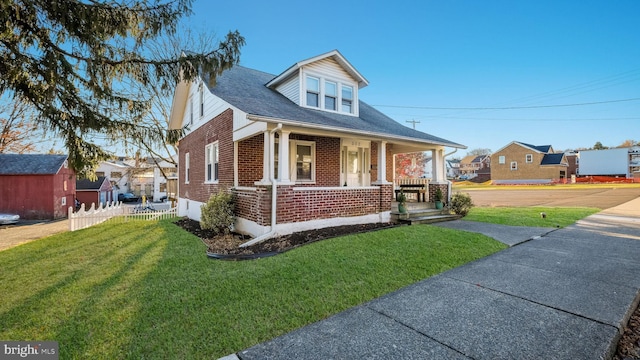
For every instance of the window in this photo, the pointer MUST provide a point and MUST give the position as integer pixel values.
(304, 155)
(186, 168)
(347, 99)
(313, 91)
(201, 100)
(116, 175)
(64, 200)
(330, 95)
(99, 173)
(514, 165)
(190, 111)
(529, 158)
(163, 187)
(211, 162)
(501, 159)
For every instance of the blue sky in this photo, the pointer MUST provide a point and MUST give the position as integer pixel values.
(422, 55)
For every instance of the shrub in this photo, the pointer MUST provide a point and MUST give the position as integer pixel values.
(217, 213)
(461, 204)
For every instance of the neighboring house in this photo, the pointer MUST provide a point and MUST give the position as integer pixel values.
(298, 150)
(622, 162)
(140, 176)
(473, 165)
(95, 192)
(36, 186)
(520, 163)
(452, 168)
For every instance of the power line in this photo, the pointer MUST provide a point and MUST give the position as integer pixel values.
(509, 107)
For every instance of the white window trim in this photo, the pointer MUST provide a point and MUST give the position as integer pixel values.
(191, 110)
(186, 168)
(201, 107)
(321, 95)
(208, 149)
(293, 148)
(528, 158)
(514, 165)
(502, 159)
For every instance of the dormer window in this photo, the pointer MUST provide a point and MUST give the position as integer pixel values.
(329, 95)
(313, 92)
(347, 99)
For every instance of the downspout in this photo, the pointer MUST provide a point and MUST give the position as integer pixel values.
(274, 193)
(449, 183)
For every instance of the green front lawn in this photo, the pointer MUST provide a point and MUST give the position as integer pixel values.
(530, 216)
(147, 290)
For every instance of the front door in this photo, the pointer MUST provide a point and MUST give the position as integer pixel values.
(355, 163)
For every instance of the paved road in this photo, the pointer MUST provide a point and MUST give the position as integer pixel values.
(564, 295)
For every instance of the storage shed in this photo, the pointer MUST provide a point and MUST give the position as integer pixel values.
(36, 186)
(94, 192)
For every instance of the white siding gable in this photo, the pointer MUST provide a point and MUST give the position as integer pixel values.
(326, 69)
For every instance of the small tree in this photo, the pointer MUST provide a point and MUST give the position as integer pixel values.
(461, 204)
(217, 213)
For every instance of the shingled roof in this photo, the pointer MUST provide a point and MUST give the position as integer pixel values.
(31, 164)
(86, 184)
(246, 90)
(540, 148)
(552, 159)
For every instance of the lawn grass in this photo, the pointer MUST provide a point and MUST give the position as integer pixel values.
(530, 216)
(147, 290)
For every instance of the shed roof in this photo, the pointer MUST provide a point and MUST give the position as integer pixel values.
(86, 184)
(31, 164)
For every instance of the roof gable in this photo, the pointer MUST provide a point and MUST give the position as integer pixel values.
(334, 55)
(31, 164)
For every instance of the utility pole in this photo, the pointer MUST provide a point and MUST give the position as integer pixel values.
(414, 123)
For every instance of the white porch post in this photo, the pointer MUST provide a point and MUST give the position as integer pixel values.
(382, 163)
(283, 158)
(437, 166)
(266, 171)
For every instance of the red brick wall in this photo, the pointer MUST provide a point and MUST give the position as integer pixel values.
(218, 129)
(432, 191)
(250, 155)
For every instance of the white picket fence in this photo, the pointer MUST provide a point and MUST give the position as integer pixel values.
(83, 219)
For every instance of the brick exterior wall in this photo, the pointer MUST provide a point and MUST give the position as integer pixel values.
(293, 205)
(525, 171)
(445, 192)
(218, 129)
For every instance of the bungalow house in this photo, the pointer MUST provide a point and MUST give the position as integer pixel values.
(298, 150)
(35, 186)
(520, 163)
(96, 192)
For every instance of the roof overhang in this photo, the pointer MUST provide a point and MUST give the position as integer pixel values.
(335, 55)
(404, 144)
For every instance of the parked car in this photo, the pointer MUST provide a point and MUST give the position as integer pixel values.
(9, 218)
(128, 197)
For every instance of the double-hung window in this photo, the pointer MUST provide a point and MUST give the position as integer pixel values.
(330, 95)
(305, 153)
(313, 91)
(501, 159)
(514, 165)
(186, 168)
(201, 100)
(347, 99)
(529, 158)
(211, 162)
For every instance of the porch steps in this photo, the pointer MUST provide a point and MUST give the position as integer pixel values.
(423, 216)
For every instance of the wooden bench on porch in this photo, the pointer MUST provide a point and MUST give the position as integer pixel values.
(420, 189)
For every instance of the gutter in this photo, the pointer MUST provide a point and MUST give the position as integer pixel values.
(274, 193)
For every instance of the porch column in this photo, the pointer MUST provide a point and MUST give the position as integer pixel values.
(266, 156)
(437, 166)
(283, 158)
(382, 163)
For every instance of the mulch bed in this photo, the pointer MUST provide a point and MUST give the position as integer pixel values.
(629, 344)
(229, 244)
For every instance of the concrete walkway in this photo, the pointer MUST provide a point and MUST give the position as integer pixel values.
(564, 294)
